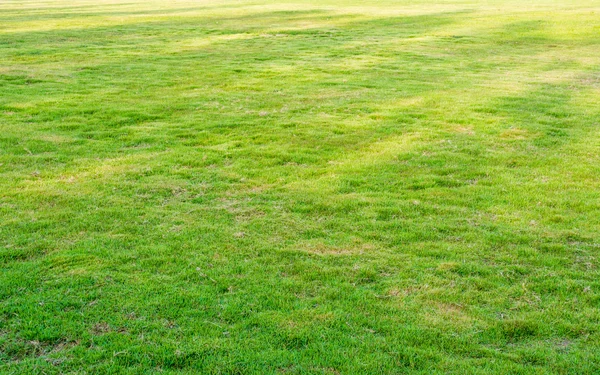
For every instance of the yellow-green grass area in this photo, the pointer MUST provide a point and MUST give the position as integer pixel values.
(300, 187)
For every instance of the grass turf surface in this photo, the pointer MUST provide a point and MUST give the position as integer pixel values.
(315, 187)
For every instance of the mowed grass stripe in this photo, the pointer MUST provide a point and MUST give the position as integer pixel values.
(316, 187)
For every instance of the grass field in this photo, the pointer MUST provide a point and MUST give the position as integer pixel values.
(307, 187)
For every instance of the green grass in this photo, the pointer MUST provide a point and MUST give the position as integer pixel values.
(309, 187)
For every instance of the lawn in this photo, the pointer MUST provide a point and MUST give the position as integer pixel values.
(300, 187)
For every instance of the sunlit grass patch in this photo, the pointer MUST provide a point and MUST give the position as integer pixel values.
(315, 187)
